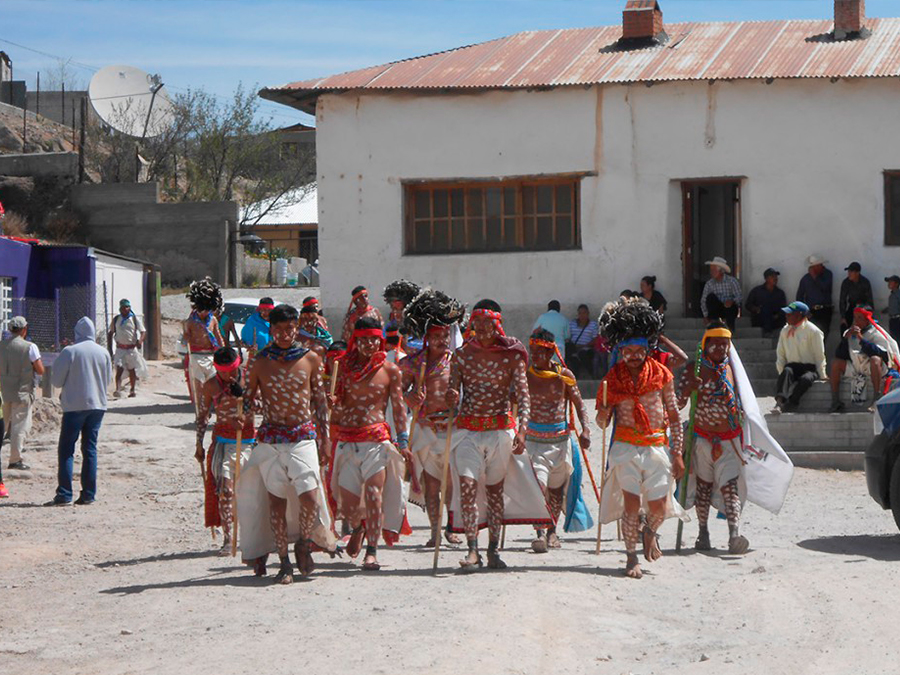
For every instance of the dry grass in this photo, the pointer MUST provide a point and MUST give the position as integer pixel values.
(15, 225)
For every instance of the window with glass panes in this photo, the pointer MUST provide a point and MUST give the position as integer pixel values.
(477, 217)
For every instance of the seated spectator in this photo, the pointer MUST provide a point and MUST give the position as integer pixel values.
(765, 304)
(865, 352)
(800, 357)
(580, 353)
(721, 297)
(653, 296)
(893, 308)
(556, 323)
(856, 290)
(815, 291)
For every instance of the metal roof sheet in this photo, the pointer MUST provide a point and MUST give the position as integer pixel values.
(585, 56)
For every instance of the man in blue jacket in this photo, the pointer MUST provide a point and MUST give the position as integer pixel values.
(83, 371)
(255, 333)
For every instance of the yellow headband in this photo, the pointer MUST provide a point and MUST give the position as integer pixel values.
(714, 333)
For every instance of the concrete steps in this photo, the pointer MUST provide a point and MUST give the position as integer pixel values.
(822, 440)
(818, 399)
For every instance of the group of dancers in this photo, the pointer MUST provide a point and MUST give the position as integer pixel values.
(444, 410)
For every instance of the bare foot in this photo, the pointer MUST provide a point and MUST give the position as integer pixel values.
(471, 562)
(652, 552)
(226, 548)
(539, 545)
(702, 543)
(553, 540)
(429, 543)
(633, 567)
(303, 558)
(452, 537)
(738, 545)
(285, 572)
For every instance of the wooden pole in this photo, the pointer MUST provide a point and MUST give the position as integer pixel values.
(195, 395)
(602, 470)
(237, 475)
(446, 465)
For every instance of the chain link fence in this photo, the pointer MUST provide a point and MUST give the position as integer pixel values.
(51, 321)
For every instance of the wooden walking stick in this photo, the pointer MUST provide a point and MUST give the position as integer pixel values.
(445, 463)
(237, 475)
(688, 450)
(195, 395)
(602, 470)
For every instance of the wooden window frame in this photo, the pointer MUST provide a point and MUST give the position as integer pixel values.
(411, 189)
(890, 238)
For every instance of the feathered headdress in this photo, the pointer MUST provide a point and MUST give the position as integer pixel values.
(428, 309)
(402, 290)
(205, 295)
(630, 318)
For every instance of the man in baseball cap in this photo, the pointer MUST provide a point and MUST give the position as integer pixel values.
(764, 303)
(855, 291)
(815, 290)
(800, 357)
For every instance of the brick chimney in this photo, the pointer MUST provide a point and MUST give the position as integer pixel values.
(849, 19)
(643, 20)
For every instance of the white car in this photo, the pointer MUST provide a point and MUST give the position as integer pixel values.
(238, 310)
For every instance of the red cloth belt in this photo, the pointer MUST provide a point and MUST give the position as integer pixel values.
(373, 433)
(644, 439)
(121, 346)
(485, 423)
(196, 349)
(281, 433)
(716, 438)
(222, 430)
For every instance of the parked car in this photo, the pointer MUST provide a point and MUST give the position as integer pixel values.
(239, 309)
(883, 472)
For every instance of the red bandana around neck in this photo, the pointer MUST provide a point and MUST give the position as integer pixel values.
(621, 387)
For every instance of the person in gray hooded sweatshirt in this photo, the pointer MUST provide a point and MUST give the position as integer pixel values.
(83, 371)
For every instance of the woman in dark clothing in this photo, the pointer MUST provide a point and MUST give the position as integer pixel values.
(654, 297)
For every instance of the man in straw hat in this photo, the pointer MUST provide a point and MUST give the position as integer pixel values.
(641, 392)
(815, 291)
(721, 297)
(430, 317)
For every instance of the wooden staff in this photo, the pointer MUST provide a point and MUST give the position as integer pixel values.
(237, 475)
(446, 465)
(603, 470)
(195, 395)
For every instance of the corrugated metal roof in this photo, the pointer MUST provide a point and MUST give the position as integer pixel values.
(585, 56)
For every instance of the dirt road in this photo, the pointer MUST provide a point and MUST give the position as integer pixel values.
(132, 584)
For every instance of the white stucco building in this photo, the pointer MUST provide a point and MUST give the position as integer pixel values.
(567, 164)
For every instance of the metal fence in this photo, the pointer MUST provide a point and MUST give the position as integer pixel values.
(51, 322)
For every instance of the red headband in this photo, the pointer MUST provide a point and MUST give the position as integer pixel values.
(266, 306)
(311, 302)
(367, 332)
(228, 367)
(496, 316)
(866, 313)
(546, 344)
(435, 329)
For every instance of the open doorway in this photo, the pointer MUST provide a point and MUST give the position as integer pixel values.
(712, 226)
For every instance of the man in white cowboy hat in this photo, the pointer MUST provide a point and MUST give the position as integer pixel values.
(721, 297)
(815, 291)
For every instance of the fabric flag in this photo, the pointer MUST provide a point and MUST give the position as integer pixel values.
(768, 469)
(578, 516)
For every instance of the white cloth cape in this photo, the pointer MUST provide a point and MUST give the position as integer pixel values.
(768, 470)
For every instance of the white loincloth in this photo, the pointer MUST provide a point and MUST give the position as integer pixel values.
(394, 493)
(256, 537)
(131, 359)
(523, 500)
(202, 367)
(653, 460)
(552, 461)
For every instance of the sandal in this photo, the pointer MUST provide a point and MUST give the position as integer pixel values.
(285, 572)
(372, 565)
(354, 544)
(494, 561)
(259, 566)
(469, 566)
(303, 557)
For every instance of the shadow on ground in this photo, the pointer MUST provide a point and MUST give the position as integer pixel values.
(884, 547)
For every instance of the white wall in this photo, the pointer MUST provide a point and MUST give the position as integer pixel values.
(123, 279)
(812, 152)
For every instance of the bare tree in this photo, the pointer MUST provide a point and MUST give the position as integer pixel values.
(63, 73)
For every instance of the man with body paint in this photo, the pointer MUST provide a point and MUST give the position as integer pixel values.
(201, 332)
(359, 309)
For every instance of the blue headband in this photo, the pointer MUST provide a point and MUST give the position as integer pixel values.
(630, 342)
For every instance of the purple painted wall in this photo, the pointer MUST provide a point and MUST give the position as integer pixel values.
(54, 267)
(15, 261)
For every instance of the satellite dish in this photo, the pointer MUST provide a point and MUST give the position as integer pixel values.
(131, 101)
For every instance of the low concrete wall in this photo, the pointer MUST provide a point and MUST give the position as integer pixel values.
(40, 164)
(188, 240)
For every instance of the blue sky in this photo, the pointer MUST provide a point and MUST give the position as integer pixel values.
(215, 44)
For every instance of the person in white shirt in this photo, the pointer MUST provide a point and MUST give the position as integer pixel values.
(129, 334)
(866, 352)
(800, 357)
